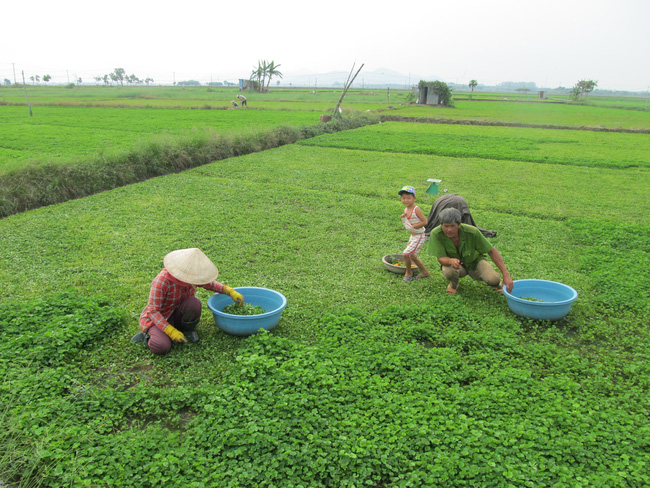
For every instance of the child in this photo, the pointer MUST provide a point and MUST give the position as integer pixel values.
(415, 222)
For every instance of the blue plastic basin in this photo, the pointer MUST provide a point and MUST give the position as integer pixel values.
(557, 299)
(242, 325)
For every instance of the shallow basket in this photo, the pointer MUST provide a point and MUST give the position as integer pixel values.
(242, 325)
(392, 267)
(557, 299)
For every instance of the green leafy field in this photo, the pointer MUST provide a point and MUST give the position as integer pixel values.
(367, 380)
(545, 113)
(87, 121)
(321, 99)
(65, 133)
(583, 148)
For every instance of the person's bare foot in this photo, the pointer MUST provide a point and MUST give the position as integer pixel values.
(451, 290)
(424, 275)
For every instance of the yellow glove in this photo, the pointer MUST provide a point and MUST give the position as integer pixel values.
(238, 297)
(174, 334)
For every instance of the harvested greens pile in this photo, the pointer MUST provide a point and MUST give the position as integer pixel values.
(245, 309)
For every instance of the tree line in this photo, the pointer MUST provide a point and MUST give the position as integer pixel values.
(118, 75)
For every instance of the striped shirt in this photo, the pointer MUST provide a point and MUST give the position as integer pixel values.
(165, 296)
(412, 219)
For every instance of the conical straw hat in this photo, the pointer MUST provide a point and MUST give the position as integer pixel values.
(191, 266)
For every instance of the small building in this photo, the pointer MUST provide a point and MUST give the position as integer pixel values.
(434, 93)
(247, 85)
(426, 96)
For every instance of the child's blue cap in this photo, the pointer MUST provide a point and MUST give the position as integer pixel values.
(407, 189)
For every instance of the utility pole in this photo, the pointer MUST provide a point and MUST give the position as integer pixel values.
(14, 65)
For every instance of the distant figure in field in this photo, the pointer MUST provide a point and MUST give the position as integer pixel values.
(234, 104)
(242, 99)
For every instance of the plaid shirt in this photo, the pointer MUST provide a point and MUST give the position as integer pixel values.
(165, 296)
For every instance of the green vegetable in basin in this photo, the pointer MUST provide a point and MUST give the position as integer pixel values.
(245, 309)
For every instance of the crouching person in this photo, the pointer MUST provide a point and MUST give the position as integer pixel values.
(461, 250)
(173, 311)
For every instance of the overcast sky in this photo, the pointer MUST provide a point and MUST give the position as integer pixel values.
(552, 43)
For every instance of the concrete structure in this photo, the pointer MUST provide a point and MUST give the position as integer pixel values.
(247, 85)
(427, 97)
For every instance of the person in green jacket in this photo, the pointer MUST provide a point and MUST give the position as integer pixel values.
(461, 250)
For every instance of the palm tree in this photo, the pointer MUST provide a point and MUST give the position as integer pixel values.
(259, 74)
(472, 84)
(263, 74)
(272, 70)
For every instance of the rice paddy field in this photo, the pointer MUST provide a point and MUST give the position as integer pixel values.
(367, 380)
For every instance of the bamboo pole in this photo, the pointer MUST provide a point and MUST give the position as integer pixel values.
(26, 97)
(348, 83)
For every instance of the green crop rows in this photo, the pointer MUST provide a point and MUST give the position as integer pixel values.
(584, 148)
(367, 380)
(536, 113)
(67, 133)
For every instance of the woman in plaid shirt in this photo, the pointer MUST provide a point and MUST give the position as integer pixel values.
(173, 311)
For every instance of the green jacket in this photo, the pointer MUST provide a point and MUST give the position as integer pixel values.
(472, 245)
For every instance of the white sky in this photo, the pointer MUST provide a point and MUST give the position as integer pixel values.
(551, 43)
